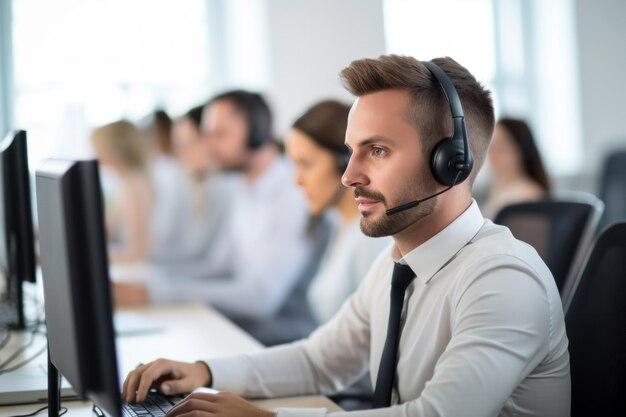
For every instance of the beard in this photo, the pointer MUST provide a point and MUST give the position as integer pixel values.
(378, 225)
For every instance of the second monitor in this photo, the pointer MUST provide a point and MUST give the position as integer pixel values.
(17, 248)
(75, 279)
(76, 285)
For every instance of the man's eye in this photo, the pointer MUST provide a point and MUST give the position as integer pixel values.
(376, 151)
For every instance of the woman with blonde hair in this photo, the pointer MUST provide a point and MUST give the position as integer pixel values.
(120, 150)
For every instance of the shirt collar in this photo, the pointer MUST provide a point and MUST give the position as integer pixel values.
(429, 257)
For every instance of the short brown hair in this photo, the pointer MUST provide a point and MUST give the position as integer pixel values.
(430, 111)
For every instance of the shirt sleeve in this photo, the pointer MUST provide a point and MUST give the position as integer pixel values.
(498, 338)
(250, 292)
(333, 357)
(261, 279)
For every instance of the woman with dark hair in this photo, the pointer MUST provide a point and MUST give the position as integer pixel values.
(160, 132)
(188, 144)
(316, 146)
(516, 167)
(190, 216)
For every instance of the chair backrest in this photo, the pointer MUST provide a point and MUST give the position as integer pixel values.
(560, 228)
(595, 317)
(613, 187)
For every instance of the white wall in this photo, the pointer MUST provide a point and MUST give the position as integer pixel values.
(601, 29)
(310, 42)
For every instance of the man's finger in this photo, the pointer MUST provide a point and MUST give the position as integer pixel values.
(131, 382)
(153, 372)
(175, 386)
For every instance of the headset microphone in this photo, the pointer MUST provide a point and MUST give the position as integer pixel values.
(416, 203)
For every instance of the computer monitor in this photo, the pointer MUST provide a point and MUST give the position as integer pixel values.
(17, 247)
(75, 279)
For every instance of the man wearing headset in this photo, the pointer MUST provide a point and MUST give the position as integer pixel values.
(457, 318)
(257, 274)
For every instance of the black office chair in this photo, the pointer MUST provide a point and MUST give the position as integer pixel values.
(613, 187)
(595, 316)
(561, 229)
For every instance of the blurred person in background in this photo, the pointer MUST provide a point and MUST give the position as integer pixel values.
(168, 179)
(120, 150)
(190, 151)
(270, 253)
(518, 174)
(158, 134)
(203, 202)
(197, 209)
(316, 146)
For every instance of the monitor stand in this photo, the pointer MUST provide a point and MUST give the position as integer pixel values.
(12, 304)
(54, 388)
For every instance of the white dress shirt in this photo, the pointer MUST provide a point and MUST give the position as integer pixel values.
(483, 335)
(167, 177)
(196, 248)
(346, 262)
(268, 250)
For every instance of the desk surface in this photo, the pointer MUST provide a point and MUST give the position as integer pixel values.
(185, 333)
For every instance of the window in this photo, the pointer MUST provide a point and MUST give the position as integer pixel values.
(504, 44)
(78, 64)
(462, 29)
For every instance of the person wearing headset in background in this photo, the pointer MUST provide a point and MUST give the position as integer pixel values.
(269, 252)
(316, 146)
(167, 175)
(516, 167)
(196, 215)
(203, 203)
(480, 319)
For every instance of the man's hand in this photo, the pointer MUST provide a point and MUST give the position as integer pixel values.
(130, 294)
(169, 377)
(223, 404)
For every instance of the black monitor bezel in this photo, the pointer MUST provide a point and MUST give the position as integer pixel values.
(17, 221)
(87, 357)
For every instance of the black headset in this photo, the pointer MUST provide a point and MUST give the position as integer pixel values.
(342, 158)
(451, 160)
(256, 113)
(258, 120)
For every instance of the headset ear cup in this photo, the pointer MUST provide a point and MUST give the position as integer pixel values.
(255, 139)
(448, 164)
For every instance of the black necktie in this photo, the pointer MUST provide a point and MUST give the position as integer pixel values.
(402, 277)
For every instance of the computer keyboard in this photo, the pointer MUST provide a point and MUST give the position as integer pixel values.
(155, 404)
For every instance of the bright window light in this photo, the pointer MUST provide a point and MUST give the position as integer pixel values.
(426, 29)
(81, 63)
